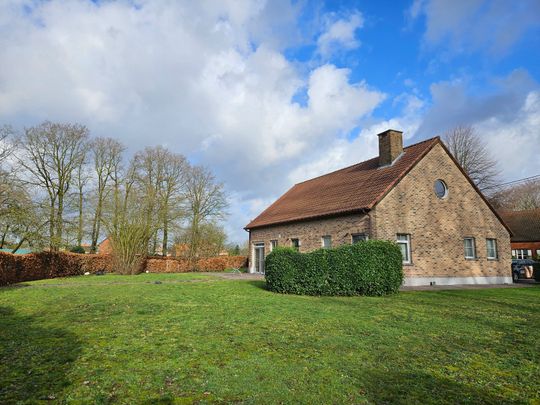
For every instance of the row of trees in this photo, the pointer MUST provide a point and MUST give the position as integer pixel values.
(59, 187)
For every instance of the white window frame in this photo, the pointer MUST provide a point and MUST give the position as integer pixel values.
(473, 257)
(329, 237)
(407, 242)
(523, 254)
(361, 234)
(492, 255)
(273, 244)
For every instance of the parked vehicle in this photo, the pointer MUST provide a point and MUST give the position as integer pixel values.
(522, 269)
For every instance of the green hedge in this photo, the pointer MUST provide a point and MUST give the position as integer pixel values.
(366, 268)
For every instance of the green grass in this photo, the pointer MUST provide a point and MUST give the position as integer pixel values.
(200, 339)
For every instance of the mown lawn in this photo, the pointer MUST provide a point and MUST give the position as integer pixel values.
(199, 339)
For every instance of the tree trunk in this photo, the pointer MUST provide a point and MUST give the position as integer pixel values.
(4, 237)
(80, 228)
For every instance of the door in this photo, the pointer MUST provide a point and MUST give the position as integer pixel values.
(259, 258)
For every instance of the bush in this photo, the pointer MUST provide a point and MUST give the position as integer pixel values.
(536, 271)
(367, 268)
(77, 249)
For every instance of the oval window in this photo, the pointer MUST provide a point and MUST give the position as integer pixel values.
(441, 190)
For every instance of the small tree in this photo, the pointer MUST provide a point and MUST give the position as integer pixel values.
(129, 246)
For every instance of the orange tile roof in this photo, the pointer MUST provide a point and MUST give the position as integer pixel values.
(525, 225)
(352, 189)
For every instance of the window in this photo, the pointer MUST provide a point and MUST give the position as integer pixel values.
(491, 246)
(327, 241)
(358, 237)
(404, 243)
(470, 248)
(295, 243)
(522, 254)
(273, 244)
(441, 190)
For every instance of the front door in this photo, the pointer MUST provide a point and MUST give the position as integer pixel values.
(259, 258)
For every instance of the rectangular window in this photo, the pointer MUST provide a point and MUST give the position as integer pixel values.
(358, 237)
(295, 243)
(523, 254)
(327, 241)
(273, 244)
(470, 248)
(538, 253)
(404, 242)
(491, 246)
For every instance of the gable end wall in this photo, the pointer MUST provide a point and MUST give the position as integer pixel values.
(438, 226)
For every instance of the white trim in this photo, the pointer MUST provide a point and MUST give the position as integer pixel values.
(420, 281)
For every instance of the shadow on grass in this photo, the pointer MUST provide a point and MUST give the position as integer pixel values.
(13, 286)
(258, 284)
(395, 387)
(35, 359)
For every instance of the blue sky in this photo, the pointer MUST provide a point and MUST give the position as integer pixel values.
(269, 93)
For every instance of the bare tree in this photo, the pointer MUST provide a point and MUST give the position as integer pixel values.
(175, 171)
(523, 196)
(81, 180)
(51, 153)
(107, 156)
(473, 156)
(206, 202)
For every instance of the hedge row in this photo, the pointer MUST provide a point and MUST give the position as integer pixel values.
(367, 268)
(37, 266)
(159, 264)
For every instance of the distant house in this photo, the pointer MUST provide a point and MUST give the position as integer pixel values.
(104, 247)
(417, 196)
(525, 226)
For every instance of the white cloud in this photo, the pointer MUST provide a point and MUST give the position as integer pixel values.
(514, 143)
(340, 34)
(466, 25)
(207, 79)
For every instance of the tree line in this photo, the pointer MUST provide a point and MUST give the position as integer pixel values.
(60, 187)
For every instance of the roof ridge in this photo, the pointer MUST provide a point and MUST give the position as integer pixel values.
(363, 161)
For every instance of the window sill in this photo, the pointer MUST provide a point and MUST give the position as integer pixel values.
(492, 259)
(472, 259)
(408, 264)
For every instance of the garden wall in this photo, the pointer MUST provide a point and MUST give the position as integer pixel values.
(37, 266)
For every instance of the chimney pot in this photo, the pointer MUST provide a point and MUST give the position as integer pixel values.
(390, 146)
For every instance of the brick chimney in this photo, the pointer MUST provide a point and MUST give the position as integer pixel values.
(390, 146)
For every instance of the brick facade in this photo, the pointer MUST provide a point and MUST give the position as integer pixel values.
(436, 227)
(310, 233)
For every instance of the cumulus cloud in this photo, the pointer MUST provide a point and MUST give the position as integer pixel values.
(465, 25)
(340, 34)
(206, 79)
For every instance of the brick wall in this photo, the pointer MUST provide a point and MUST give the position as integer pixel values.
(310, 233)
(438, 226)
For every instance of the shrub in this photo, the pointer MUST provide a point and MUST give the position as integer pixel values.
(77, 249)
(536, 271)
(367, 268)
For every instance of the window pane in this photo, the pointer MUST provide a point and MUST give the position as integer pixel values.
(359, 237)
(327, 242)
(404, 251)
(403, 241)
(469, 248)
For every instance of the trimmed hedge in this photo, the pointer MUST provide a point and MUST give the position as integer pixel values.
(43, 265)
(367, 268)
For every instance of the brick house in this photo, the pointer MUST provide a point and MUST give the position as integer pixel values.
(418, 196)
(525, 227)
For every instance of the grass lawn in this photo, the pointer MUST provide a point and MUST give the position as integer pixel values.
(200, 339)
